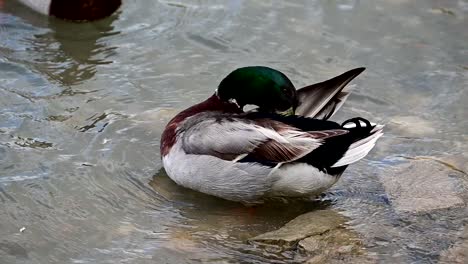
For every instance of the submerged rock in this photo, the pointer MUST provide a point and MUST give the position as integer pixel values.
(336, 246)
(412, 125)
(458, 162)
(319, 235)
(303, 226)
(458, 253)
(423, 184)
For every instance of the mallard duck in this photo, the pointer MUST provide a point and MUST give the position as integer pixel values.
(80, 10)
(284, 148)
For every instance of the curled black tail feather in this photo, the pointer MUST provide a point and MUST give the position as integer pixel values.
(356, 120)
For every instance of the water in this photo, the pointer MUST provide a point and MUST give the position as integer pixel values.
(83, 107)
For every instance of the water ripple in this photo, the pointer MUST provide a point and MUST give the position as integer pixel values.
(83, 107)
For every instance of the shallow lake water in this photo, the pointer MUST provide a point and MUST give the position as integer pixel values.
(83, 107)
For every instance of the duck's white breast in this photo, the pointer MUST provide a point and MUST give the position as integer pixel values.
(299, 180)
(244, 182)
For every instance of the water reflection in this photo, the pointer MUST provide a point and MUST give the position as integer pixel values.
(212, 224)
(67, 53)
(81, 49)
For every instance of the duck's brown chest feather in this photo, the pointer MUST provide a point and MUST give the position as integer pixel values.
(213, 103)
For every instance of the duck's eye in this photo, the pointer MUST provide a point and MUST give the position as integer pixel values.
(286, 91)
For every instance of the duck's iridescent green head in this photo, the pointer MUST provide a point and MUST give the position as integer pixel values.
(264, 87)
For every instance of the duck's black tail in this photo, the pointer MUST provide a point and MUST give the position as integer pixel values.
(336, 153)
(364, 136)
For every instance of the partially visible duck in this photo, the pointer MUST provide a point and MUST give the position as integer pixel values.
(216, 148)
(77, 10)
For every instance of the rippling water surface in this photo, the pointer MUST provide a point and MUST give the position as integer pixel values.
(83, 107)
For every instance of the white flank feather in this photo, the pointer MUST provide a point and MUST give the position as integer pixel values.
(360, 148)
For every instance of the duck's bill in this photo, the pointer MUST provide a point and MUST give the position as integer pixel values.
(287, 112)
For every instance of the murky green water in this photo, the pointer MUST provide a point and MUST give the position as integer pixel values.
(83, 107)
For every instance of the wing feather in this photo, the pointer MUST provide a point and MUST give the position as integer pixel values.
(323, 134)
(233, 138)
(322, 100)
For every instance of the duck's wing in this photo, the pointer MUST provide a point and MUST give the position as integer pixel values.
(262, 140)
(322, 100)
(340, 145)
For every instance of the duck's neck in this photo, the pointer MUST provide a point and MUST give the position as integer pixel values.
(211, 104)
